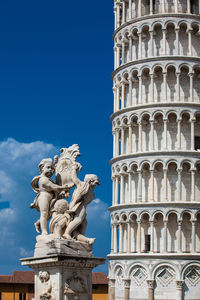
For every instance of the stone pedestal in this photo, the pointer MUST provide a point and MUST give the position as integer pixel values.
(63, 277)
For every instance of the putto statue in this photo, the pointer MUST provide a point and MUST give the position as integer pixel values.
(68, 220)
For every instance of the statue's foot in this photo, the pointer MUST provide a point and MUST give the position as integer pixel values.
(91, 241)
(37, 227)
(67, 236)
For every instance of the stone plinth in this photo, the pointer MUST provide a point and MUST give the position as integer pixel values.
(49, 245)
(63, 277)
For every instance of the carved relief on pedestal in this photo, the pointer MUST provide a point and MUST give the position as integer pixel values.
(75, 286)
(46, 286)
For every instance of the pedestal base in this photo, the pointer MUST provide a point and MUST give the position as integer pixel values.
(63, 277)
(49, 245)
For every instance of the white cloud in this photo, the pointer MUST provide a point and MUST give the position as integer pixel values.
(97, 209)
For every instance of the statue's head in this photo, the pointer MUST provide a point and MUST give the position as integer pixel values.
(46, 167)
(92, 179)
(44, 276)
(61, 206)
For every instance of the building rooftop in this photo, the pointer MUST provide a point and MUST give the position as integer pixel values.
(27, 277)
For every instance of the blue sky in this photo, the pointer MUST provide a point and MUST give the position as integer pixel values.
(56, 59)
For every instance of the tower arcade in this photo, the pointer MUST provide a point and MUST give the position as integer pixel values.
(155, 212)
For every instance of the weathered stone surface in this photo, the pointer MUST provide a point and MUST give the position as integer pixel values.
(49, 245)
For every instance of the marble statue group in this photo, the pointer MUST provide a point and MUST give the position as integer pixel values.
(67, 219)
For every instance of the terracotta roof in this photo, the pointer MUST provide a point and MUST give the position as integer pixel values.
(99, 278)
(5, 278)
(27, 277)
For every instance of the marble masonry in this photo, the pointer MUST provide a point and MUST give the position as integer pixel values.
(63, 257)
(155, 212)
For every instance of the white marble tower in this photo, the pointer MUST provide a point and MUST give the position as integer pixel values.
(155, 213)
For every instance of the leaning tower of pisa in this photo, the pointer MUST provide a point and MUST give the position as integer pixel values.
(155, 212)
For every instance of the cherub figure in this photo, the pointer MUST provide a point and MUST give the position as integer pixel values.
(48, 193)
(47, 286)
(81, 197)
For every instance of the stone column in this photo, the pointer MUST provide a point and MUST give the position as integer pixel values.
(130, 46)
(115, 57)
(151, 7)
(191, 74)
(165, 236)
(152, 185)
(179, 237)
(179, 289)
(165, 184)
(179, 133)
(193, 185)
(130, 133)
(114, 142)
(130, 186)
(122, 140)
(117, 142)
(152, 134)
(118, 14)
(127, 289)
(120, 238)
(165, 86)
(129, 237)
(177, 40)
(140, 90)
(139, 8)
(123, 11)
(190, 41)
(139, 237)
(152, 237)
(179, 185)
(112, 239)
(178, 85)
(165, 133)
(176, 6)
(150, 289)
(140, 44)
(152, 87)
(193, 236)
(139, 186)
(112, 289)
(116, 190)
(130, 9)
(130, 90)
(113, 191)
(118, 56)
(164, 41)
(115, 238)
(122, 189)
(123, 94)
(151, 43)
(140, 136)
(115, 16)
(192, 121)
(117, 97)
(163, 6)
(188, 7)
